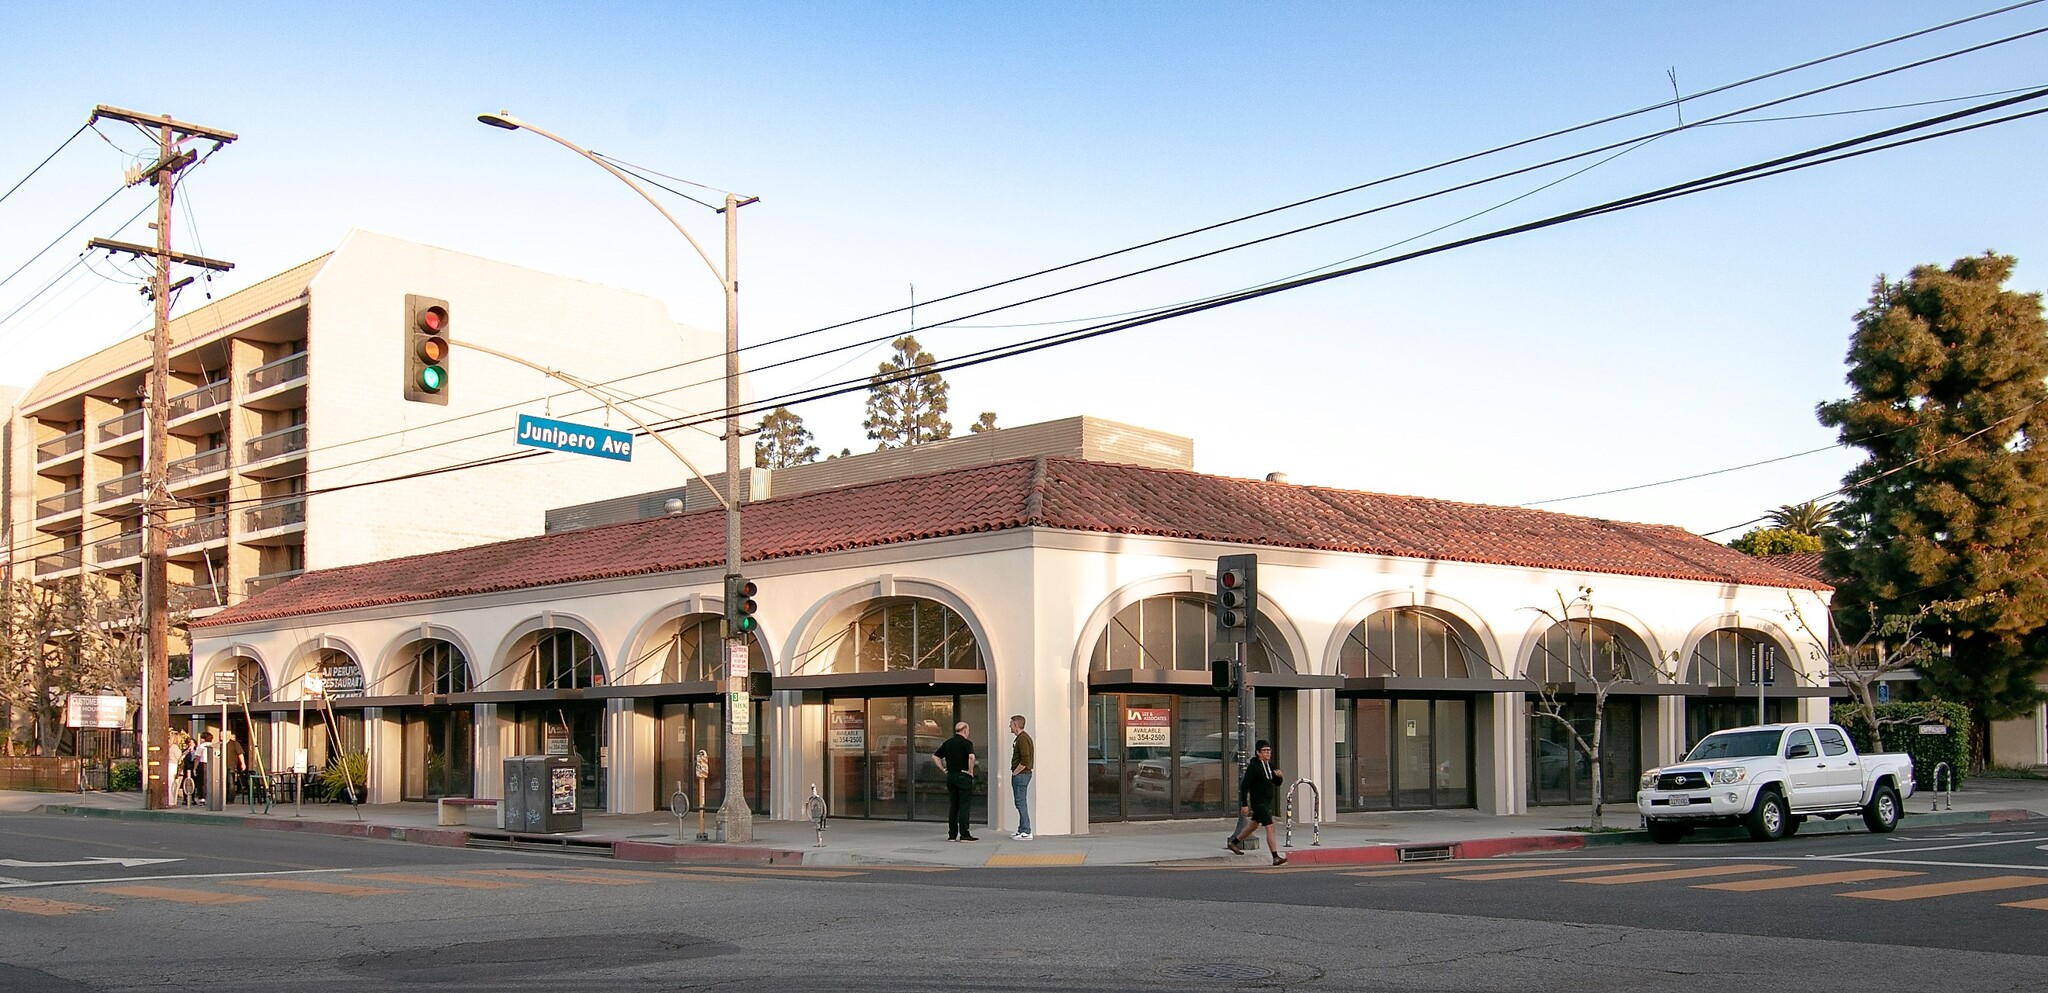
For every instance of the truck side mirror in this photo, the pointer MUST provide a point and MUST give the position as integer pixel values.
(1800, 751)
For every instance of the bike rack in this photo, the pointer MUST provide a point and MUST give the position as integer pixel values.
(814, 808)
(1315, 812)
(1942, 787)
(679, 805)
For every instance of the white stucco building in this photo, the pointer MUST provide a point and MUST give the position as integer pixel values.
(1402, 641)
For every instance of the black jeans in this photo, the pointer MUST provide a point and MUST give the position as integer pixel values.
(959, 794)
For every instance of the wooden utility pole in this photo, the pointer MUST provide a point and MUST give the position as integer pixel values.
(170, 137)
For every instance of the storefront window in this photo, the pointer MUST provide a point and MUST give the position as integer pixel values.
(878, 752)
(900, 633)
(694, 650)
(1155, 755)
(1414, 643)
(562, 660)
(1173, 632)
(438, 668)
(1725, 658)
(1581, 650)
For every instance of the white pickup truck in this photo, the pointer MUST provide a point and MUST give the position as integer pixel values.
(1770, 778)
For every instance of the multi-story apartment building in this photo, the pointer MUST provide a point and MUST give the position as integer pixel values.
(292, 446)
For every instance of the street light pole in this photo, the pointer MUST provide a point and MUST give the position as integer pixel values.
(734, 814)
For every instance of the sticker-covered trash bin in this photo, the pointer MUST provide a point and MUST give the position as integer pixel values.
(540, 794)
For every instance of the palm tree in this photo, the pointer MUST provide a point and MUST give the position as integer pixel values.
(1810, 518)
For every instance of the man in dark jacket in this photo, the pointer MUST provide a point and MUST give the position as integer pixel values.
(956, 756)
(1258, 793)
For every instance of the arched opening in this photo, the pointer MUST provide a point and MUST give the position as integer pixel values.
(891, 704)
(688, 655)
(563, 659)
(1405, 725)
(1726, 662)
(1570, 662)
(439, 738)
(1161, 741)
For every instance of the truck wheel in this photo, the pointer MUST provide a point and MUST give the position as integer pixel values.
(1766, 820)
(1665, 832)
(1881, 814)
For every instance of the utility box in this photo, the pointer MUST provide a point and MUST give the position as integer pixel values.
(540, 794)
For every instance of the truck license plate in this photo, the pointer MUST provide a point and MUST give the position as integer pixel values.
(1681, 801)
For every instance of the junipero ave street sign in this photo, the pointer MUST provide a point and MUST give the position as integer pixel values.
(562, 436)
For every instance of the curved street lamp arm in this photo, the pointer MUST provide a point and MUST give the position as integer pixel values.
(513, 123)
(585, 387)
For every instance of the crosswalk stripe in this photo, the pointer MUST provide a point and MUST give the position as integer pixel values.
(1569, 870)
(459, 883)
(1926, 890)
(1814, 879)
(565, 876)
(1695, 873)
(740, 870)
(2028, 904)
(45, 908)
(316, 886)
(179, 896)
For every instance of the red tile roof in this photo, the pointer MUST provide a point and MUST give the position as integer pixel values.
(1801, 563)
(1053, 493)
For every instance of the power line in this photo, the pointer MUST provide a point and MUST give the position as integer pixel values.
(1778, 166)
(1457, 160)
(46, 161)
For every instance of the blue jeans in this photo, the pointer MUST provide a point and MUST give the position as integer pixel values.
(1018, 785)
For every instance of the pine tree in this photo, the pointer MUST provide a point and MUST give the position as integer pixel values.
(783, 441)
(1951, 502)
(905, 410)
(983, 424)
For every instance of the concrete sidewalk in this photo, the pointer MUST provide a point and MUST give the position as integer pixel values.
(1362, 838)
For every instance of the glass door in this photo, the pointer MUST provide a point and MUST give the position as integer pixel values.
(437, 753)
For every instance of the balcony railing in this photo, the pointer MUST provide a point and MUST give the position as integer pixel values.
(122, 426)
(63, 503)
(197, 530)
(211, 460)
(257, 584)
(276, 515)
(126, 546)
(200, 597)
(276, 372)
(275, 444)
(63, 561)
(60, 446)
(118, 487)
(193, 401)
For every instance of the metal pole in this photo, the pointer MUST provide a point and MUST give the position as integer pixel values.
(1246, 727)
(734, 813)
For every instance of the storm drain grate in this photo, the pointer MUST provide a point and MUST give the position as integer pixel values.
(1436, 853)
(538, 842)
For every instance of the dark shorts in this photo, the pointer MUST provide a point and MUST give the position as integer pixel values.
(1262, 814)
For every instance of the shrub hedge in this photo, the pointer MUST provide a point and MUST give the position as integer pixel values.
(1902, 723)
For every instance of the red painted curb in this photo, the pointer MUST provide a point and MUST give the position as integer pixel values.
(1365, 855)
(1486, 848)
(707, 854)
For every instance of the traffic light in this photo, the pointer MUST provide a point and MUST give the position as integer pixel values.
(1223, 676)
(760, 685)
(739, 607)
(1237, 598)
(426, 349)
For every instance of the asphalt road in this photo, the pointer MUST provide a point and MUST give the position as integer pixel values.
(89, 904)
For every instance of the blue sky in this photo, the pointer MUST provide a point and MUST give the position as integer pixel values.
(949, 146)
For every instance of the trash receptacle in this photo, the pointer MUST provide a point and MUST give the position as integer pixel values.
(540, 794)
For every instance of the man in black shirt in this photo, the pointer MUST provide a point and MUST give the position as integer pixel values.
(1258, 795)
(956, 757)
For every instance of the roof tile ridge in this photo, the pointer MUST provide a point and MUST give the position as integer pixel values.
(1034, 495)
